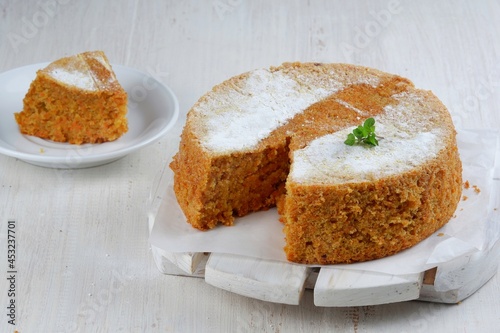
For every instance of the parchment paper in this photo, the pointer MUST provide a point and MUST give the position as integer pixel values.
(475, 227)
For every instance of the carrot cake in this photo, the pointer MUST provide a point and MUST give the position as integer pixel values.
(277, 137)
(76, 99)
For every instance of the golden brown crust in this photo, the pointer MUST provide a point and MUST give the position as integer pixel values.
(324, 222)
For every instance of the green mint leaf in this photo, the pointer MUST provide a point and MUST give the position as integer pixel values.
(365, 131)
(363, 134)
(369, 123)
(357, 133)
(351, 140)
(372, 140)
(360, 132)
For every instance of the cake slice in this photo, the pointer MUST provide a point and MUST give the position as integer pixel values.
(75, 99)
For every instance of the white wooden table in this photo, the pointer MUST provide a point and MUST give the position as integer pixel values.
(84, 263)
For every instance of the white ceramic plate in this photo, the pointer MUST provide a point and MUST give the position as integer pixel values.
(152, 110)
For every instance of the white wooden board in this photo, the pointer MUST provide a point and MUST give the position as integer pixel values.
(332, 287)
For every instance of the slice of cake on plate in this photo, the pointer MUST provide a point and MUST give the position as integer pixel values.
(75, 99)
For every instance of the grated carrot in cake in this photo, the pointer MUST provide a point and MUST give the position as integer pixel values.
(77, 100)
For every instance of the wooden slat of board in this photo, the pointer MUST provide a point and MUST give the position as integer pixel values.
(341, 287)
(187, 264)
(452, 285)
(266, 280)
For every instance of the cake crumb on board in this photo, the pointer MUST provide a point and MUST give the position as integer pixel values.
(467, 186)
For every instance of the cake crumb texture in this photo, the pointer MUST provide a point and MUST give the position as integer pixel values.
(75, 99)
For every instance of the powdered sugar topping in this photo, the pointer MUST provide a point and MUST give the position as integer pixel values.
(241, 117)
(75, 78)
(76, 71)
(407, 142)
(239, 114)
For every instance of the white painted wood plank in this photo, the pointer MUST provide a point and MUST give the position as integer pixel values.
(185, 264)
(341, 287)
(189, 262)
(455, 285)
(266, 280)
